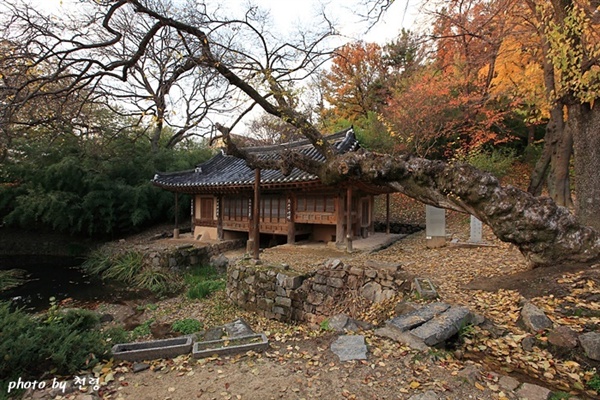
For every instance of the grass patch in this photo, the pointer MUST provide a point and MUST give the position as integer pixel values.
(12, 278)
(202, 281)
(594, 383)
(130, 268)
(141, 330)
(187, 326)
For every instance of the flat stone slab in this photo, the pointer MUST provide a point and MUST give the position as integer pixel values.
(350, 347)
(232, 345)
(152, 350)
(405, 338)
(442, 326)
(238, 328)
(418, 317)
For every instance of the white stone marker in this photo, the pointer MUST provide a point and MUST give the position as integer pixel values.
(435, 226)
(476, 231)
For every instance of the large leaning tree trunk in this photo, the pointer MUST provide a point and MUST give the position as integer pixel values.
(546, 234)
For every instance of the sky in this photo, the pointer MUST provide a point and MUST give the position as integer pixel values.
(401, 14)
(288, 17)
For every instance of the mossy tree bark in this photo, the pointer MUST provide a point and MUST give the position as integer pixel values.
(546, 234)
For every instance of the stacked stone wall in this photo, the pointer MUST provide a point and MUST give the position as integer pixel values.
(182, 257)
(283, 294)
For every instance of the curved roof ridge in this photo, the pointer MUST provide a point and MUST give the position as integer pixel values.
(300, 143)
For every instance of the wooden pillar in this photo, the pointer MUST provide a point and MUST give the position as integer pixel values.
(387, 214)
(349, 232)
(290, 216)
(339, 221)
(176, 230)
(192, 211)
(219, 200)
(256, 228)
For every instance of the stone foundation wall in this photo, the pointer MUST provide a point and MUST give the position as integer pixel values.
(182, 257)
(282, 294)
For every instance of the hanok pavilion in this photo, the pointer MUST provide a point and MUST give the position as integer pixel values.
(294, 207)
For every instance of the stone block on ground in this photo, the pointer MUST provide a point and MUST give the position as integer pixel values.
(563, 337)
(350, 347)
(418, 317)
(342, 322)
(373, 292)
(404, 307)
(238, 328)
(591, 344)
(534, 319)
(508, 383)
(139, 367)
(405, 338)
(533, 392)
(443, 326)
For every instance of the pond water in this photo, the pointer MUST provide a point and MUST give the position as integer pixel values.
(61, 278)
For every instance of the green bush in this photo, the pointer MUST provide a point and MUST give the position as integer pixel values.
(202, 281)
(31, 346)
(187, 326)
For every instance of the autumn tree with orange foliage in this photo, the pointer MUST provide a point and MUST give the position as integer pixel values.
(446, 108)
(356, 83)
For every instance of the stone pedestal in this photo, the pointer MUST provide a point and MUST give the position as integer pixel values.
(176, 233)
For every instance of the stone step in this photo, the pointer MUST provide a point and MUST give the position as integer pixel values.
(442, 326)
(418, 317)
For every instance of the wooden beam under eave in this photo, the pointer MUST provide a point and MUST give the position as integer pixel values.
(256, 216)
(290, 217)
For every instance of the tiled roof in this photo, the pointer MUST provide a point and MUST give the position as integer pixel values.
(225, 171)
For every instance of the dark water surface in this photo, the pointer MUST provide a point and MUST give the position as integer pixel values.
(58, 277)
